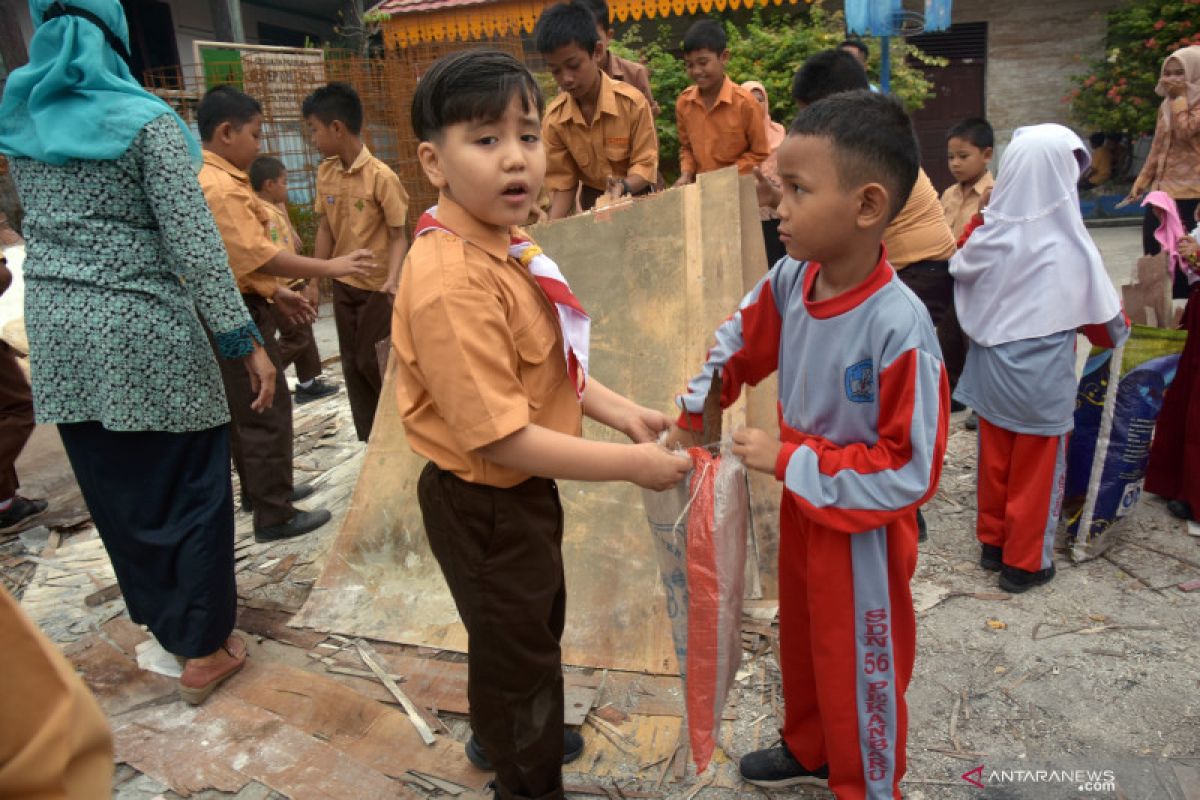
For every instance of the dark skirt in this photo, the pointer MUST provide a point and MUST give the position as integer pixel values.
(1174, 468)
(163, 504)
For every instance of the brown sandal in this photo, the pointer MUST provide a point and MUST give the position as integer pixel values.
(197, 683)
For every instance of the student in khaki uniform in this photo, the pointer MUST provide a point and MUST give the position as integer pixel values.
(597, 132)
(619, 69)
(230, 124)
(361, 203)
(492, 386)
(297, 345)
(720, 124)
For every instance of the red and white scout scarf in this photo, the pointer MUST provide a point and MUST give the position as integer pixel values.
(574, 321)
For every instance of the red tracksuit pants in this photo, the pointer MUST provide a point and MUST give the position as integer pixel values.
(1021, 479)
(847, 639)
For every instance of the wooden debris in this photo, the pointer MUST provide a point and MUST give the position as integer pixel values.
(364, 650)
(102, 596)
(1190, 586)
(611, 733)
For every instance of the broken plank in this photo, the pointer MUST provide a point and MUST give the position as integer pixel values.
(418, 721)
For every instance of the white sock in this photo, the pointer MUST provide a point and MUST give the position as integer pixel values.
(306, 384)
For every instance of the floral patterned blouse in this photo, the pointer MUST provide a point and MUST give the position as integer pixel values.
(120, 257)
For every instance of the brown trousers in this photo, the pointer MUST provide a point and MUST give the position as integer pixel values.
(297, 347)
(931, 282)
(363, 319)
(501, 553)
(262, 443)
(16, 419)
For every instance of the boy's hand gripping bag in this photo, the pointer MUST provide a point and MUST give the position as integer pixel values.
(1114, 425)
(700, 535)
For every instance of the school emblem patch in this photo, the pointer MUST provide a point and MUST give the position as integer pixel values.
(860, 382)
(360, 205)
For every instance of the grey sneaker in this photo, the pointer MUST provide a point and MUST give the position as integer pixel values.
(776, 768)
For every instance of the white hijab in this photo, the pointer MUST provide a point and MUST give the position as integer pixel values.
(1031, 269)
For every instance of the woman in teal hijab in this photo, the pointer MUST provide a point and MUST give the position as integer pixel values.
(123, 261)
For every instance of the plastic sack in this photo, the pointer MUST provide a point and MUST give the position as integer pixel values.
(1114, 425)
(699, 530)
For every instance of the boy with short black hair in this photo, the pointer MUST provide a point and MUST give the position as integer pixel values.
(969, 150)
(598, 132)
(297, 345)
(825, 73)
(360, 203)
(863, 405)
(230, 124)
(492, 352)
(720, 124)
(619, 69)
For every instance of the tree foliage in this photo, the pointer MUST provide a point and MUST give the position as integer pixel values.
(770, 51)
(1116, 94)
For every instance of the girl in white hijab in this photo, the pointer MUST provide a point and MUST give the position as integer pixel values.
(1026, 281)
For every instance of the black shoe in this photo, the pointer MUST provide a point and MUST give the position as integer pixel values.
(1018, 580)
(922, 530)
(1178, 508)
(777, 768)
(956, 407)
(299, 492)
(991, 557)
(314, 391)
(21, 509)
(972, 423)
(572, 749)
(300, 524)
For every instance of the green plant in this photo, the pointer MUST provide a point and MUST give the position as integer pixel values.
(769, 50)
(1116, 93)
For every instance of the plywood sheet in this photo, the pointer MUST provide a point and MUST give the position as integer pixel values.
(657, 277)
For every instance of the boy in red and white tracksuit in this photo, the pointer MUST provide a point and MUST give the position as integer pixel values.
(863, 407)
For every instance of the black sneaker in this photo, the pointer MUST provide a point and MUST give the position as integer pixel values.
(299, 492)
(1018, 580)
(776, 768)
(1178, 508)
(21, 509)
(314, 391)
(300, 524)
(572, 749)
(991, 557)
(922, 530)
(972, 423)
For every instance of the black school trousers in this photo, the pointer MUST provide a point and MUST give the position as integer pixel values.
(501, 553)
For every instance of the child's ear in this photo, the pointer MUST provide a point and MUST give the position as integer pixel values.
(724, 57)
(431, 162)
(874, 205)
(224, 132)
(337, 128)
(598, 50)
(987, 154)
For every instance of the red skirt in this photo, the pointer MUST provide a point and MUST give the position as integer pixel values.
(1174, 468)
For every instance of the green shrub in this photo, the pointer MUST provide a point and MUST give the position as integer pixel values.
(1116, 94)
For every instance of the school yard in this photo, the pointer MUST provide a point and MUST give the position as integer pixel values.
(1088, 687)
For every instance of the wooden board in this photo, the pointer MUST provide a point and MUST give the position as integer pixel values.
(657, 277)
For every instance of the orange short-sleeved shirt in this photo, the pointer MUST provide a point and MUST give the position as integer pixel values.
(959, 204)
(732, 132)
(919, 232)
(241, 218)
(478, 347)
(361, 203)
(620, 141)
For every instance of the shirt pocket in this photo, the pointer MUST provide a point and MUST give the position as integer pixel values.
(616, 151)
(731, 143)
(537, 370)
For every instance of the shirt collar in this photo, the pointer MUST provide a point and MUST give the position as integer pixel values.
(214, 160)
(851, 298)
(606, 102)
(984, 183)
(458, 219)
(360, 161)
(724, 96)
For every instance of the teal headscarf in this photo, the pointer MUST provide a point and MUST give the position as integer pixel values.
(76, 97)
